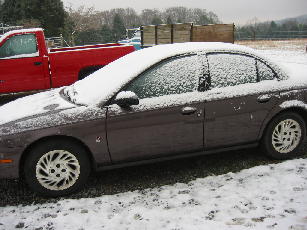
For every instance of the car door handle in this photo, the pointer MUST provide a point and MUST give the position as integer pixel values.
(38, 63)
(188, 110)
(264, 98)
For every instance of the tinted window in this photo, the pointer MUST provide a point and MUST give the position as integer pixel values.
(174, 76)
(18, 45)
(264, 72)
(231, 69)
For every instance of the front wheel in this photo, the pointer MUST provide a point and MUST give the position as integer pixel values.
(56, 168)
(284, 136)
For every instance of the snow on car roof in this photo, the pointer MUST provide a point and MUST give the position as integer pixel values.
(101, 85)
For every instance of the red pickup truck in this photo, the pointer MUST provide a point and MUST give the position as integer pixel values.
(26, 64)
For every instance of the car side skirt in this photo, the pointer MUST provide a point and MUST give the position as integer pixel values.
(102, 167)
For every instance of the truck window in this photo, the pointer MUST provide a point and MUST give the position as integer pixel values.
(24, 45)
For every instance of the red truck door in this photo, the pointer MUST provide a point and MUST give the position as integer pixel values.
(22, 66)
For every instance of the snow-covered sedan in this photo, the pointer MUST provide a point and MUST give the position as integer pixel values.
(159, 103)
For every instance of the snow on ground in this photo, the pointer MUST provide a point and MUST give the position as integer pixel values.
(264, 197)
(294, 62)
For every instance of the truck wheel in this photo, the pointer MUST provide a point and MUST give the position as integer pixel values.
(88, 71)
(284, 136)
(56, 168)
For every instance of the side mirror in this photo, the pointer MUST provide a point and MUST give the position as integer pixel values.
(126, 98)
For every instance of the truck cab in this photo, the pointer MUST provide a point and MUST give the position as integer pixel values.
(23, 62)
(26, 64)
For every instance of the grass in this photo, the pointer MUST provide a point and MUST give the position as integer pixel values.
(291, 44)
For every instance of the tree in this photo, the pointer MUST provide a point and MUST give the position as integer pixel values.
(118, 29)
(106, 34)
(169, 20)
(89, 36)
(1, 13)
(148, 15)
(49, 14)
(156, 21)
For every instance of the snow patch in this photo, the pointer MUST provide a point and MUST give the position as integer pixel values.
(293, 103)
(264, 197)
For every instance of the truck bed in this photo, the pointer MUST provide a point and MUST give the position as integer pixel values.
(68, 63)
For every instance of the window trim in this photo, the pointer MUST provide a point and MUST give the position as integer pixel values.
(35, 54)
(274, 72)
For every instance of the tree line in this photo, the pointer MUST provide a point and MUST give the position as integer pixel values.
(272, 30)
(86, 25)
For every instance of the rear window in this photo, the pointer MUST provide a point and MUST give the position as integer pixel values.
(227, 69)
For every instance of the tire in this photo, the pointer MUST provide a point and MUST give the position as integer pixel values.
(88, 71)
(287, 143)
(56, 168)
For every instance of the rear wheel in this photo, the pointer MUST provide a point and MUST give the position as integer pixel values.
(56, 168)
(284, 136)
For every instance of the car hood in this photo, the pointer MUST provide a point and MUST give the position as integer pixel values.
(33, 105)
(42, 110)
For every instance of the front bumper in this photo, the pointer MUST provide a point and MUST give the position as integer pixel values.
(9, 165)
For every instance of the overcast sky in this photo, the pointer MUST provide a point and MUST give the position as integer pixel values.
(237, 11)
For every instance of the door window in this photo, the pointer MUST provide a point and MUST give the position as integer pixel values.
(174, 76)
(227, 69)
(19, 46)
(264, 71)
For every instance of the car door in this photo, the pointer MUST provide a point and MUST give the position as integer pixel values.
(238, 101)
(169, 117)
(22, 68)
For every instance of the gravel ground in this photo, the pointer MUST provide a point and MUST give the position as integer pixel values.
(14, 192)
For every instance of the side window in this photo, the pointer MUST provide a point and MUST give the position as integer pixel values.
(227, 69)
(19, 45)
(173, 76)
(264, 72)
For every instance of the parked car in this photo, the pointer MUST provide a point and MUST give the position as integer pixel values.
(160, 103)
(26, 64)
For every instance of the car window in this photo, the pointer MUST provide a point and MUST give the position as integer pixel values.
(173, 76)
(264, 71)
(19, 45)
(227, 69)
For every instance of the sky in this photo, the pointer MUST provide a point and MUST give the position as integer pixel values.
(229, 11)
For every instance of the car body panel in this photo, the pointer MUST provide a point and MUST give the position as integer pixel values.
(141, 133)
(242, 115)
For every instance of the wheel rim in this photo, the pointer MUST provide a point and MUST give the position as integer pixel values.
(57, 170)
(286, 136)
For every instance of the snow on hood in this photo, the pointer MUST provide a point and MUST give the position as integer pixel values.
(101, 85)
(33, 105)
